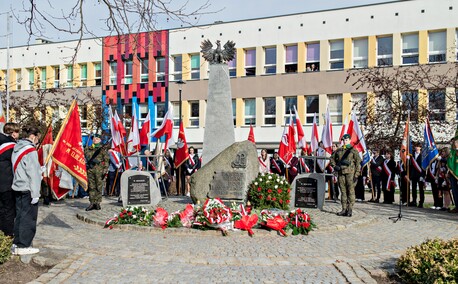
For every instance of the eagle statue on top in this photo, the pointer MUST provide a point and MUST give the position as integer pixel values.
(217, 55)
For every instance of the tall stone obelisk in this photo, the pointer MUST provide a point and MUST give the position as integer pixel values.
(219, 123)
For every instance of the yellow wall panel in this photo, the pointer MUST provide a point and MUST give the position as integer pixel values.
(49, 76)
(259, 111)
(91, 74)
(323, 101)
(185, 112)
(239, 112)
(259, 60)
(186, 66)
(324, 55)
(301, 108)
(202, 108)
(372, 51)
(348, 52)
(279, 103)
(397, 47)
(423, 47)
(346, 105)
(281, 58)
(451, 44)
(301, 56)
(240, 62)
(422, 102)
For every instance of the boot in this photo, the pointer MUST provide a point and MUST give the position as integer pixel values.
(93, 206)
(342, 213)
(97, 206)
(349, 212)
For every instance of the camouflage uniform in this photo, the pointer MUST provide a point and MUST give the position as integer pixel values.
(350, 169)
(95, 174)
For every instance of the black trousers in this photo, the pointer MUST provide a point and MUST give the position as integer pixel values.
(25, 225)
(420, 184)
(7, 212)
(376, 183)
(110, 181)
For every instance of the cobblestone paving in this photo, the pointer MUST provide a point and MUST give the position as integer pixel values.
(342, 250)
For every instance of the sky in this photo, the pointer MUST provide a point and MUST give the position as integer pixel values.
(228, 10)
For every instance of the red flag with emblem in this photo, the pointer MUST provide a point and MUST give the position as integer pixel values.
(181, 155)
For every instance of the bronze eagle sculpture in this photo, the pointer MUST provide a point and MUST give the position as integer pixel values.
(218, 55)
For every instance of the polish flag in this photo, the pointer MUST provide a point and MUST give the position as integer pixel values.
(291, 134)
(145, 133)
(133, 141)
(327, 133)
(283, 149)
(181, 155)
(314, 139)
(166, 127)
(300, 133)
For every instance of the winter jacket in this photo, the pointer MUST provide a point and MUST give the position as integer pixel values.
(26, 168)
(6, 173)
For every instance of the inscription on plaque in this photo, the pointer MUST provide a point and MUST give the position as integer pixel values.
(228, 185)
(138, 190)
(306, 193)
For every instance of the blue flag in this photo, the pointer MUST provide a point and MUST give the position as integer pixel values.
(429, 150)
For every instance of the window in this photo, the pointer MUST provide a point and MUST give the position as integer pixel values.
(144, 70)
(290, 103)
(336, 56)
(98, 74)
(31, 73)
(250, 111)
(437, 46)
(335, 108)
(232, 66)
(113, 72)
(128, 72)
(83, 75)
(234, 111)
(195, 67)
(313, 57)
(177, 68)
(160, 69)
(269, 111)
(410, 49)
(69, 76)
(83, 115)
(176, 114)
(385, 51)
(313, 107)
(160, 113)
(359, 106)
(18, 79)
(43, 78)
(56, 76)
(127, 116)
(360, 53)
(194, 117)
(270, 66)
(142, 113)
(436, 105)
(410, 104)
(250, 62)
(291, 59)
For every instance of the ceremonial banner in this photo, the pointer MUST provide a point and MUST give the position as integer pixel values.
(284, 149)
(181, 155)
(67, 150)
(291, 135)
(166, 127)
(357, 140)
(145, 133)
(301, 142)
(405, 143)
(429, 150)
(251, 135)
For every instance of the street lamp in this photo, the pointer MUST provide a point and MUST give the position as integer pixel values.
(180, 86)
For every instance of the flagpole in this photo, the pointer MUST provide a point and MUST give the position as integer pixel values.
(54, 145)
(408, 156)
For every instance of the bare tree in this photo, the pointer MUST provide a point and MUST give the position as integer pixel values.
(395, 92)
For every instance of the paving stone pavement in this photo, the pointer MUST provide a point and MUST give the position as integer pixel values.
(341, 250)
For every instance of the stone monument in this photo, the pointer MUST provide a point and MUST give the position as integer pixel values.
(219, 125)
(139, 189)
(228, 175)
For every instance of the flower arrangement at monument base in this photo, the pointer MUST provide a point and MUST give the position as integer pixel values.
(214, 214)
(269, 191)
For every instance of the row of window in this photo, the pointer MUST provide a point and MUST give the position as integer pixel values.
(143, 71)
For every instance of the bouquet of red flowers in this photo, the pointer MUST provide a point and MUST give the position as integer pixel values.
(299, 222)
(187, 216)
(245, 221)
(214, 214)
(274, 221)
(160, 218)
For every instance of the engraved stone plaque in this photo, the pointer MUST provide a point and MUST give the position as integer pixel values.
(228, 185)
(306, 193)
(138, 190)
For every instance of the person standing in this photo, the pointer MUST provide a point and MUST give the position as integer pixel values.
(431, 178)
(114, 173)
(347, 163)
(96, 169)
(452, 165)
(417, 177)
(376, 172)
(191, 166)
(26, 184)
(264, 162)
(442, 179)
(7, 198)
(388, 176)
(276, 165)
(403, 182)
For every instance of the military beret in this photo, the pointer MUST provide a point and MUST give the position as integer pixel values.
(346, 136)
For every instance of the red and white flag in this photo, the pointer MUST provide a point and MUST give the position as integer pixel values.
(145, 133)
(251, 135)
(133, 141)
(314, 139)
(326, 135)
(2, 117)
(118, 132)
(67, 150)
(166, 127)
(343, 130)
(181, 154)
(284, 149)
(291, 135)
(301, 142)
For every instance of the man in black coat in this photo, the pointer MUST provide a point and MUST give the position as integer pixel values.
(417, 177)
(7, 198)
(376, 172)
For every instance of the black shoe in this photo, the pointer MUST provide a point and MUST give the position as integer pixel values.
(371, 200)
(342, 213)
(349, 213)
(91, 207)
(377, 200)
(420, 205)
(97, 206)
(412, 204)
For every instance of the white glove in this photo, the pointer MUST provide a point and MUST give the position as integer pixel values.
(422, 179)
(43, 169)
(35, 200)
(444, 184)
(189, 170)
(287, 166)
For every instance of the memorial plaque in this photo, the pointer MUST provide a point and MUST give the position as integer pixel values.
(306, 193)
(228, 185)
(138, 190)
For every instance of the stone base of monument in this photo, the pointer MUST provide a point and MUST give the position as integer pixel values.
(308, 191)
(228, 175)
(139, 189)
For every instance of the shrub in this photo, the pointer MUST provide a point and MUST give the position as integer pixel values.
(5, 247)
(434, 261)
(269, 191)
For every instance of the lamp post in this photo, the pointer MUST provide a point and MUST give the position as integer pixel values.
(180, 179)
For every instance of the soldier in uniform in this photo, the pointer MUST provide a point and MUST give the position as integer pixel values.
(347, 163)
(96, 169)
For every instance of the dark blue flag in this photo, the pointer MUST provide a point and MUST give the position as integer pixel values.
(429, 150)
